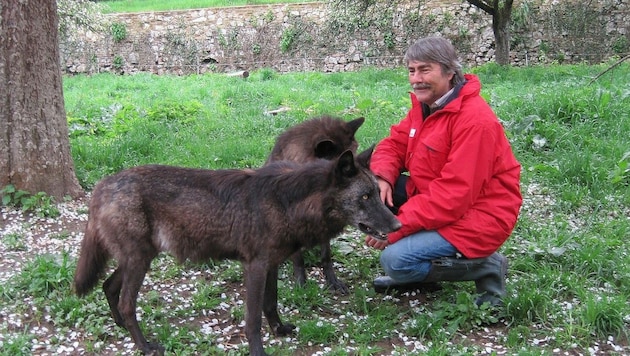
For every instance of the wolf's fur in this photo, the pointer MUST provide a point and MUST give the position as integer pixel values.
(259, 217)
(322, 137)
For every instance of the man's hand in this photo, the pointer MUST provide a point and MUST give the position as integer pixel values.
(386, 191)
(375, 243)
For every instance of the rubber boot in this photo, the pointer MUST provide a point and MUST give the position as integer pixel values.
(488, 273)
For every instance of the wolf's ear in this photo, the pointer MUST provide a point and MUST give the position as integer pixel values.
(364, 157)
(355, 124)
(345, 165)
(326, 149)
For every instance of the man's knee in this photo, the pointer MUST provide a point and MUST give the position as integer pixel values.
(396, 266)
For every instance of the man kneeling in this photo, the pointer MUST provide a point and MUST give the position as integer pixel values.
(449, 174)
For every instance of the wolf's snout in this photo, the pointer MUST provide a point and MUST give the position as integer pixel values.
(380, 233)
(366, 229)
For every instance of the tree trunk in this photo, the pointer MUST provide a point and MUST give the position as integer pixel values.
(34, 144)
(501, 29)
(501, 12)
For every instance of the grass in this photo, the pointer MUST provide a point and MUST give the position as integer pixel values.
(214, 121)
(569, 282)
(119, 6)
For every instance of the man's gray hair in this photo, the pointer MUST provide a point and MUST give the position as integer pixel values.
(437, 50)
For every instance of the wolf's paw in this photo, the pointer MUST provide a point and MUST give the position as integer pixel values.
(338, 287)
(285, 329)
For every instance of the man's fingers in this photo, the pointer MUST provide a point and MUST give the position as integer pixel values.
(377, 244)
(385, 192)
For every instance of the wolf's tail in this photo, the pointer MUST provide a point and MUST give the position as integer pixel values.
(92, 261)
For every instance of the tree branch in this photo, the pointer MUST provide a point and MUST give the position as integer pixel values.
(608, 69)
(483, 5)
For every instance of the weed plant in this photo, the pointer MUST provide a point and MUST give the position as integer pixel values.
(569, 277)
(40, 203)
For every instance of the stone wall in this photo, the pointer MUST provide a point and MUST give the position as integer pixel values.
(313, 37)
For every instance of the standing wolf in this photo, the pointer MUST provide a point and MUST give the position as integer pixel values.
(259, 217)
(323, 137)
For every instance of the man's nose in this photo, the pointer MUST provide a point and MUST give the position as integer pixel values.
(415, 77)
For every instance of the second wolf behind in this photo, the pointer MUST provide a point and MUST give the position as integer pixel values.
(323, 137)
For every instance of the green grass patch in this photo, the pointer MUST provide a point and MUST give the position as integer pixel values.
(115, 6)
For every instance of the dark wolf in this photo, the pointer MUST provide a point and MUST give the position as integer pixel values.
(323, 137)
(259, 217)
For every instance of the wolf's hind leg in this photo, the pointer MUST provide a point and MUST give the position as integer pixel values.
(255, 273)
(132, 277)
(111, 287)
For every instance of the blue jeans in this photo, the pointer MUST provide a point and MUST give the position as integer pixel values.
(409, 259)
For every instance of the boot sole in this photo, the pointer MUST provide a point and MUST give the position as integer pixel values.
(401, 288)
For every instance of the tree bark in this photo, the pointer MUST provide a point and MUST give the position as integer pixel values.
(501, 29)
(501, 12)
(34, 144)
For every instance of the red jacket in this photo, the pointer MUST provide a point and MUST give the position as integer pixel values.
(464, 178)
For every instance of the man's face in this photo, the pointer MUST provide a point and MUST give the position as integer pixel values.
(428, 81)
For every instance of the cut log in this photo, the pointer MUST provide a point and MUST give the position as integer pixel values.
(241, 73)
(277, 111)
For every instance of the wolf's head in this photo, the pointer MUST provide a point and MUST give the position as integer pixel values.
(324, 137)
(336, 136)
(358, 197)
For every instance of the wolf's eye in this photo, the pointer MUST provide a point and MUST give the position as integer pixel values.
(365, 197)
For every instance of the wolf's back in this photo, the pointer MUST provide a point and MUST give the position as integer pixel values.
(91, 264)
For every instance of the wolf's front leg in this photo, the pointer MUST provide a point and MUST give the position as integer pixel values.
(332, 281)
(299, 271)
(270, 306)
